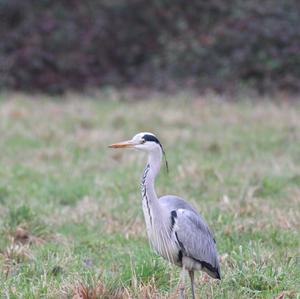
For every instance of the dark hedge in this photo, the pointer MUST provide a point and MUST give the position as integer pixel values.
(52, 46)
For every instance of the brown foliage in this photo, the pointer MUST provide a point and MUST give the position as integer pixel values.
(56, 45)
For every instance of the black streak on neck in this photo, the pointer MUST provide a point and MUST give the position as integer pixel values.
(144, 190)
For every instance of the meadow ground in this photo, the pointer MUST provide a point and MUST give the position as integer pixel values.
(70, 210)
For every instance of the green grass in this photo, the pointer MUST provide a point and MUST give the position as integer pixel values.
(70, 211)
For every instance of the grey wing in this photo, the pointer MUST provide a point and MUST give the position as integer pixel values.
(196, 240)
(173, 202)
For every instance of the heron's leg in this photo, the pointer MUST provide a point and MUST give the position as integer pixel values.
(182, 283)
(191, 273)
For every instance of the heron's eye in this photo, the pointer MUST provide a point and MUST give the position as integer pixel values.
(143, 141)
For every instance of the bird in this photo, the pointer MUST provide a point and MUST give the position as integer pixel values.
(176, 231)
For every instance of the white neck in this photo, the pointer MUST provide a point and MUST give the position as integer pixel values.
(156, 217)
(151, 205)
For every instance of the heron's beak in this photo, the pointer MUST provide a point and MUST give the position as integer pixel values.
(124, 144)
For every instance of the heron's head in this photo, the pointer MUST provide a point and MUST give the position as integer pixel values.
(144, 141)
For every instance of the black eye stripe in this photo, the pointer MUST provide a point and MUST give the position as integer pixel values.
(152, 138)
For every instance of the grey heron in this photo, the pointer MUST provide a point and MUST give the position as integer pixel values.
(176, 231)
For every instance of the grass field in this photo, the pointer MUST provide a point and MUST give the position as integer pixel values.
(70, 210)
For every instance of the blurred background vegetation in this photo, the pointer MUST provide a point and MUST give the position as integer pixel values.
(53, 46)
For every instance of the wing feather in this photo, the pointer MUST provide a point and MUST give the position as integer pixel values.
(196, 240)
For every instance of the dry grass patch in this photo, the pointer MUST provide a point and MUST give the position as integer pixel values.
(93, 212)
(82, 291)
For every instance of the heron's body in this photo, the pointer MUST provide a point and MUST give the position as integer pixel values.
(176, 231)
